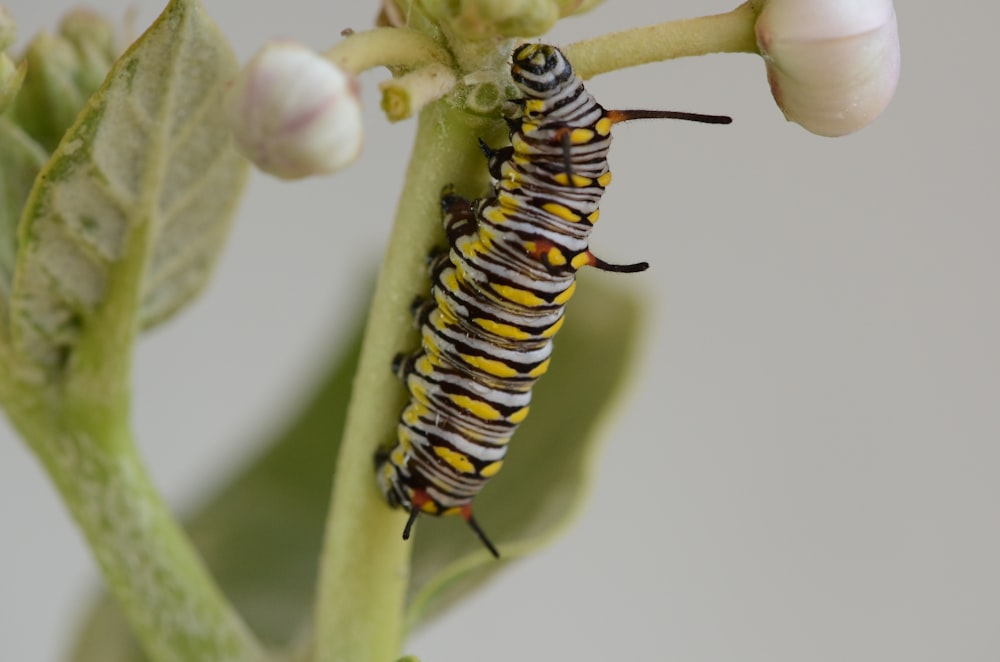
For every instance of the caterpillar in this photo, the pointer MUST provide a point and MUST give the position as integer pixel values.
(498, 293)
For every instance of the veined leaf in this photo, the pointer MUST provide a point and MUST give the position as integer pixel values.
(125, 221)
(261, 536)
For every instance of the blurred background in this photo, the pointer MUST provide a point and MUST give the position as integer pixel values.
(805, 468)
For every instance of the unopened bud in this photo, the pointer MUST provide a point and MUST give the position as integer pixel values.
(295, 113)
(832, 64)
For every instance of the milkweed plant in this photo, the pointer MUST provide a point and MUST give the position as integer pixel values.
(119, 173)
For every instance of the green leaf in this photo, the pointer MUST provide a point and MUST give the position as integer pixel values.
(126, 220)
(63, 71)
(20, 160)
(547, 473)
(11, 79)
(261, 536)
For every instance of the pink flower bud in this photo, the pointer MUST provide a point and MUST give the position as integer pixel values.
(295, 113)
(832, 64)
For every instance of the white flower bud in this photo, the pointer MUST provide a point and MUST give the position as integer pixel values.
(832, 64)
(295, 113)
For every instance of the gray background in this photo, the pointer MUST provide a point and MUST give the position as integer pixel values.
(805, 469)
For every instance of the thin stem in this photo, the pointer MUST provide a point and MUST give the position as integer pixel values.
(386, 47)
(171, 601)
(365, 563)
(732, 32)
(403, 96)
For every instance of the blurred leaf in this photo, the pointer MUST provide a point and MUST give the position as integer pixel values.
(20, 160)
(261, 536)
(547, 472)
(136, 198)
(11, 78)
(63, 71)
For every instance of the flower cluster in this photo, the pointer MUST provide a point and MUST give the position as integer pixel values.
(832, 66)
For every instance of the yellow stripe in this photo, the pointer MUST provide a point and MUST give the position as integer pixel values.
(508, 201)
(565, 296)
(450, 280)
(582, 259)
(502, 330)
(490, 366)
(491, 469)
(593, 216)
(541, 369)
(603, 126)
(580, 136)
(495, 215)
(477, 408)
(552, 330)
(456, 460)
(561, 211)
(413, 412)
(534, 105)
(469, 247)
(419, 394)
(578, 180)
(604, 179)
(518, 296)
(519, 415)
(555, 257)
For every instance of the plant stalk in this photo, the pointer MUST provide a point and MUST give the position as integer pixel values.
(365, 563)
(732, 32)
(175, 608)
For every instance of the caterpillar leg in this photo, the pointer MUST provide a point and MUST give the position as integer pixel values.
(495, 158)
(457, 215)
(402, 364)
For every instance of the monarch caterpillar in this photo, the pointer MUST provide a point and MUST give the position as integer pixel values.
(498, 293)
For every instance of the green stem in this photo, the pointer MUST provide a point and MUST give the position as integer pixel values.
(732, 32)
(75, 419)
(407, 94)
(364, 567)
(387, 47)
(169, 598)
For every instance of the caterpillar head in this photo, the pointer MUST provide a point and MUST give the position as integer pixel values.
(539, 70)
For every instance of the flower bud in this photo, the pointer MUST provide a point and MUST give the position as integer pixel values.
(295, 113)
(832, 64)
